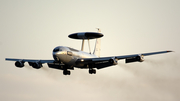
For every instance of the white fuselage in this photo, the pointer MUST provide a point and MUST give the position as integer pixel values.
(69, 55)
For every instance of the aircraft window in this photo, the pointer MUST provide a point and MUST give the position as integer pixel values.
(69, 53)
(56, 50)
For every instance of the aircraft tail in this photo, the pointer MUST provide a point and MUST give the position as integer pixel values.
(97, 47)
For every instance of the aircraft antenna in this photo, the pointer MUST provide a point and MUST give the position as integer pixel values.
(99, 30)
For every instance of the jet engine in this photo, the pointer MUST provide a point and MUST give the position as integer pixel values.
(19, 64)
(113, 61)
(139, 58)
(36, 65)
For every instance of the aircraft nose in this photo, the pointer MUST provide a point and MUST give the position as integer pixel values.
(55, 56)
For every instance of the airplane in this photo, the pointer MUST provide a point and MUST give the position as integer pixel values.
(66, 58)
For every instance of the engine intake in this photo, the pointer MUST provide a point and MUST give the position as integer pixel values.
(139, 58)
(36, 65)
(56, 66)
(113, 61)
(19, 64)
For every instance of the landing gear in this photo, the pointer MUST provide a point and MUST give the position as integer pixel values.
(92, 71)
(66, 72)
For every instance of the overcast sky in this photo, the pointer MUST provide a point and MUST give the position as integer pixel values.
(31, 29)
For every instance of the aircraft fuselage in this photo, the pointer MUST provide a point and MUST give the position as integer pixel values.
(69, 56)
(66, 58)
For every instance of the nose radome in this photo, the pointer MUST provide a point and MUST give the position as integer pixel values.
(55, 57)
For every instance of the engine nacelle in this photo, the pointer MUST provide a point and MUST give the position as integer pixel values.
(56, 66)
(59, 66)
(139, 58)
(36, 65)
(113, 61)
(19, 64)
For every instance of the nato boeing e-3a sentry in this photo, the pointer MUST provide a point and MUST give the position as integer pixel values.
(66, 58)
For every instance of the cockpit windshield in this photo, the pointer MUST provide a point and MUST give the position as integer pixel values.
(56, 50)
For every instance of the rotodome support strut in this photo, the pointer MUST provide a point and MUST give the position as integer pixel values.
(86, 36)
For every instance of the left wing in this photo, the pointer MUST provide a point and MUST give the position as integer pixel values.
(103, 62)
(34, 63)
(30, 60)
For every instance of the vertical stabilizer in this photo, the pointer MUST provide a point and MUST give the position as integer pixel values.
(97, 47)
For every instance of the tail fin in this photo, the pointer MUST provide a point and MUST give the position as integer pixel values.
(97, 47)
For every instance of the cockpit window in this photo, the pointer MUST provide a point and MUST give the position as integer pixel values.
(56, 50)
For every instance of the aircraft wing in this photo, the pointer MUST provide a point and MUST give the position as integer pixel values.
(103, 62)
(29, 60)
(37, 63)
(144, 54)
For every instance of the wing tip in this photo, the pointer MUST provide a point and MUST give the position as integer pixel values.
(7, 58)
(169, 51)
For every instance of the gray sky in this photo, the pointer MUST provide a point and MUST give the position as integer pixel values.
(31, 29)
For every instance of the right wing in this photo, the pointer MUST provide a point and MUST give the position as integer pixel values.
(103, 62)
